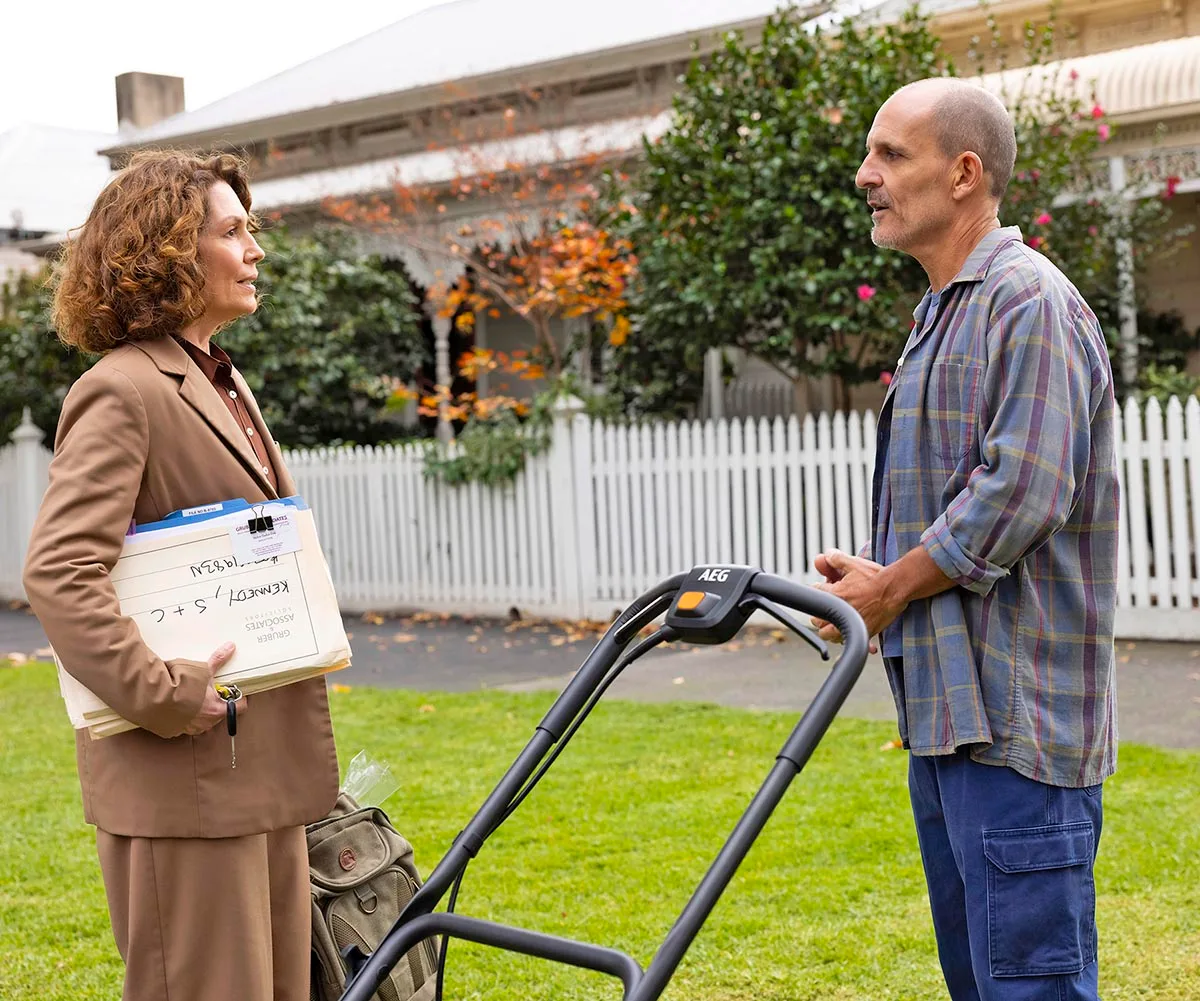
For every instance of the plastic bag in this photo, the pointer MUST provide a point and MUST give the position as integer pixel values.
(369, 781)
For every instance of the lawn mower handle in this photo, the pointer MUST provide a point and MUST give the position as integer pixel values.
(418, 921)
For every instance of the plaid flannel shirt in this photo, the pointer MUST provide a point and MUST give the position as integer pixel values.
(997, 454)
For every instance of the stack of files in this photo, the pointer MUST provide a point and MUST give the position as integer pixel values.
(253, 574)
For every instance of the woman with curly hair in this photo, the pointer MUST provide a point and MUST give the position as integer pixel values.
(204, 865)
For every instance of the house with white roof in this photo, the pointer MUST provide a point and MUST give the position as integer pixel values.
(393, 105)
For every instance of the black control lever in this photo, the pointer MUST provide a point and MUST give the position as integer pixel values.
(777, 612)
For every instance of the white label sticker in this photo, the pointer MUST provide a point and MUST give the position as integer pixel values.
(191, 512)
(252, 547)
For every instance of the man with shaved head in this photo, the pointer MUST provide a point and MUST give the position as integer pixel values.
(991, 581)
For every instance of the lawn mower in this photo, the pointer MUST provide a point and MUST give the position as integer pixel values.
(707, 605)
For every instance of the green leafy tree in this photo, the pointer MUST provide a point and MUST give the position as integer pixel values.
(336, 333)
(747, 225)
(36, 368)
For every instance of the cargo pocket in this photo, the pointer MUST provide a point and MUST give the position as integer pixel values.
(1041, 900)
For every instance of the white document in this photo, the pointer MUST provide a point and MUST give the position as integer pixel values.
(188, 593)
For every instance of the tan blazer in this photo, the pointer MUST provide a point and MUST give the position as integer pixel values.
(142, 434)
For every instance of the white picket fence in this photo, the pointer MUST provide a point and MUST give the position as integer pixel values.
(609, 510)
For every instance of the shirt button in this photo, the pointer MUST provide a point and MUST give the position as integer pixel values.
(250, 432)
(233, 394)
(266, 470)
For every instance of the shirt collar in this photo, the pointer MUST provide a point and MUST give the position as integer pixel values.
(212, 363)
(975, 267)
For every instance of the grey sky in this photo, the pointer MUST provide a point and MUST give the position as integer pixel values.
(60, 56)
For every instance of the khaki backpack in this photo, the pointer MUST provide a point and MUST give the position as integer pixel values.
(362, 875)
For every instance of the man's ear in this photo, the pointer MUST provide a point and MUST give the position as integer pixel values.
(967, 176)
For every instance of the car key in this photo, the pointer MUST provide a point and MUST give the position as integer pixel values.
(230, 693)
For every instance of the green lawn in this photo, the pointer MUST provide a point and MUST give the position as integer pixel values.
(830, 904)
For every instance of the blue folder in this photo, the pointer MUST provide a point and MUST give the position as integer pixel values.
(205, 512)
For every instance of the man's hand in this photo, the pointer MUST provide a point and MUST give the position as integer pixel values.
(880, 594)
(849, 578)
(832, 573)
(212, 709)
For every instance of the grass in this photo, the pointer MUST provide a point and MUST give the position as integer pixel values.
(830, 904)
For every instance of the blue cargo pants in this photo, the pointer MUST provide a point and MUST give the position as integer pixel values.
(1008, 862)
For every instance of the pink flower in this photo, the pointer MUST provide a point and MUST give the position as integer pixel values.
(885, 378)
(1074, 75)
(1097, 111)
(1103, 131)
(1172, 185)
(1044, 219)
(1035, 242)
(865, 293)
(1037, 175)
(1093, 231)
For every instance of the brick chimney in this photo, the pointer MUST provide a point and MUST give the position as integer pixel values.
(146, 98)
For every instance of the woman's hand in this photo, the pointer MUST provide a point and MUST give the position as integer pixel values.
(212, 709)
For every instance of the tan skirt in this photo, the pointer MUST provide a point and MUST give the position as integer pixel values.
(210, 919)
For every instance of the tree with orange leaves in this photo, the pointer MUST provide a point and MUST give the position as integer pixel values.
(509, 228)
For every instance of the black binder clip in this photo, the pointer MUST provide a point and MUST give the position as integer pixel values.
(261, 524)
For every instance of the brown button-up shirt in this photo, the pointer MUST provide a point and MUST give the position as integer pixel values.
(218, 369)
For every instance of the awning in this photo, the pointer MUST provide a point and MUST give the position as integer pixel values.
(1158, 80)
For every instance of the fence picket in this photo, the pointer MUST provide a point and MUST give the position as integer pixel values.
(1135, 507)
(1159, 528)
(1192, 430)
(707, 500)
(843, 513)
(1181, 551)
(604, 561)
(800, 564)
(672, 528)
(723, 552)
(737, 489)
(780, 556)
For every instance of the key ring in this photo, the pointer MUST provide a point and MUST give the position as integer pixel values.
(230, 693)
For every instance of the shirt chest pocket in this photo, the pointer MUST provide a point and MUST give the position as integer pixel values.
(952, 409)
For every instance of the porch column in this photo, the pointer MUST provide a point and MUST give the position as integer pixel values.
(1127, 307)
(441, 362)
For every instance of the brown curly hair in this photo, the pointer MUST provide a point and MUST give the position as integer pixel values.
(133, 273)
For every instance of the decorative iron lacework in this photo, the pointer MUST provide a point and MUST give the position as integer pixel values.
(1155, 166)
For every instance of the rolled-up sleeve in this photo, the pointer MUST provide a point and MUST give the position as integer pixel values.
(95, 477)
(1035, 447)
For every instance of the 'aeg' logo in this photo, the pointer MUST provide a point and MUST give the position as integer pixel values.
(713, 573)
